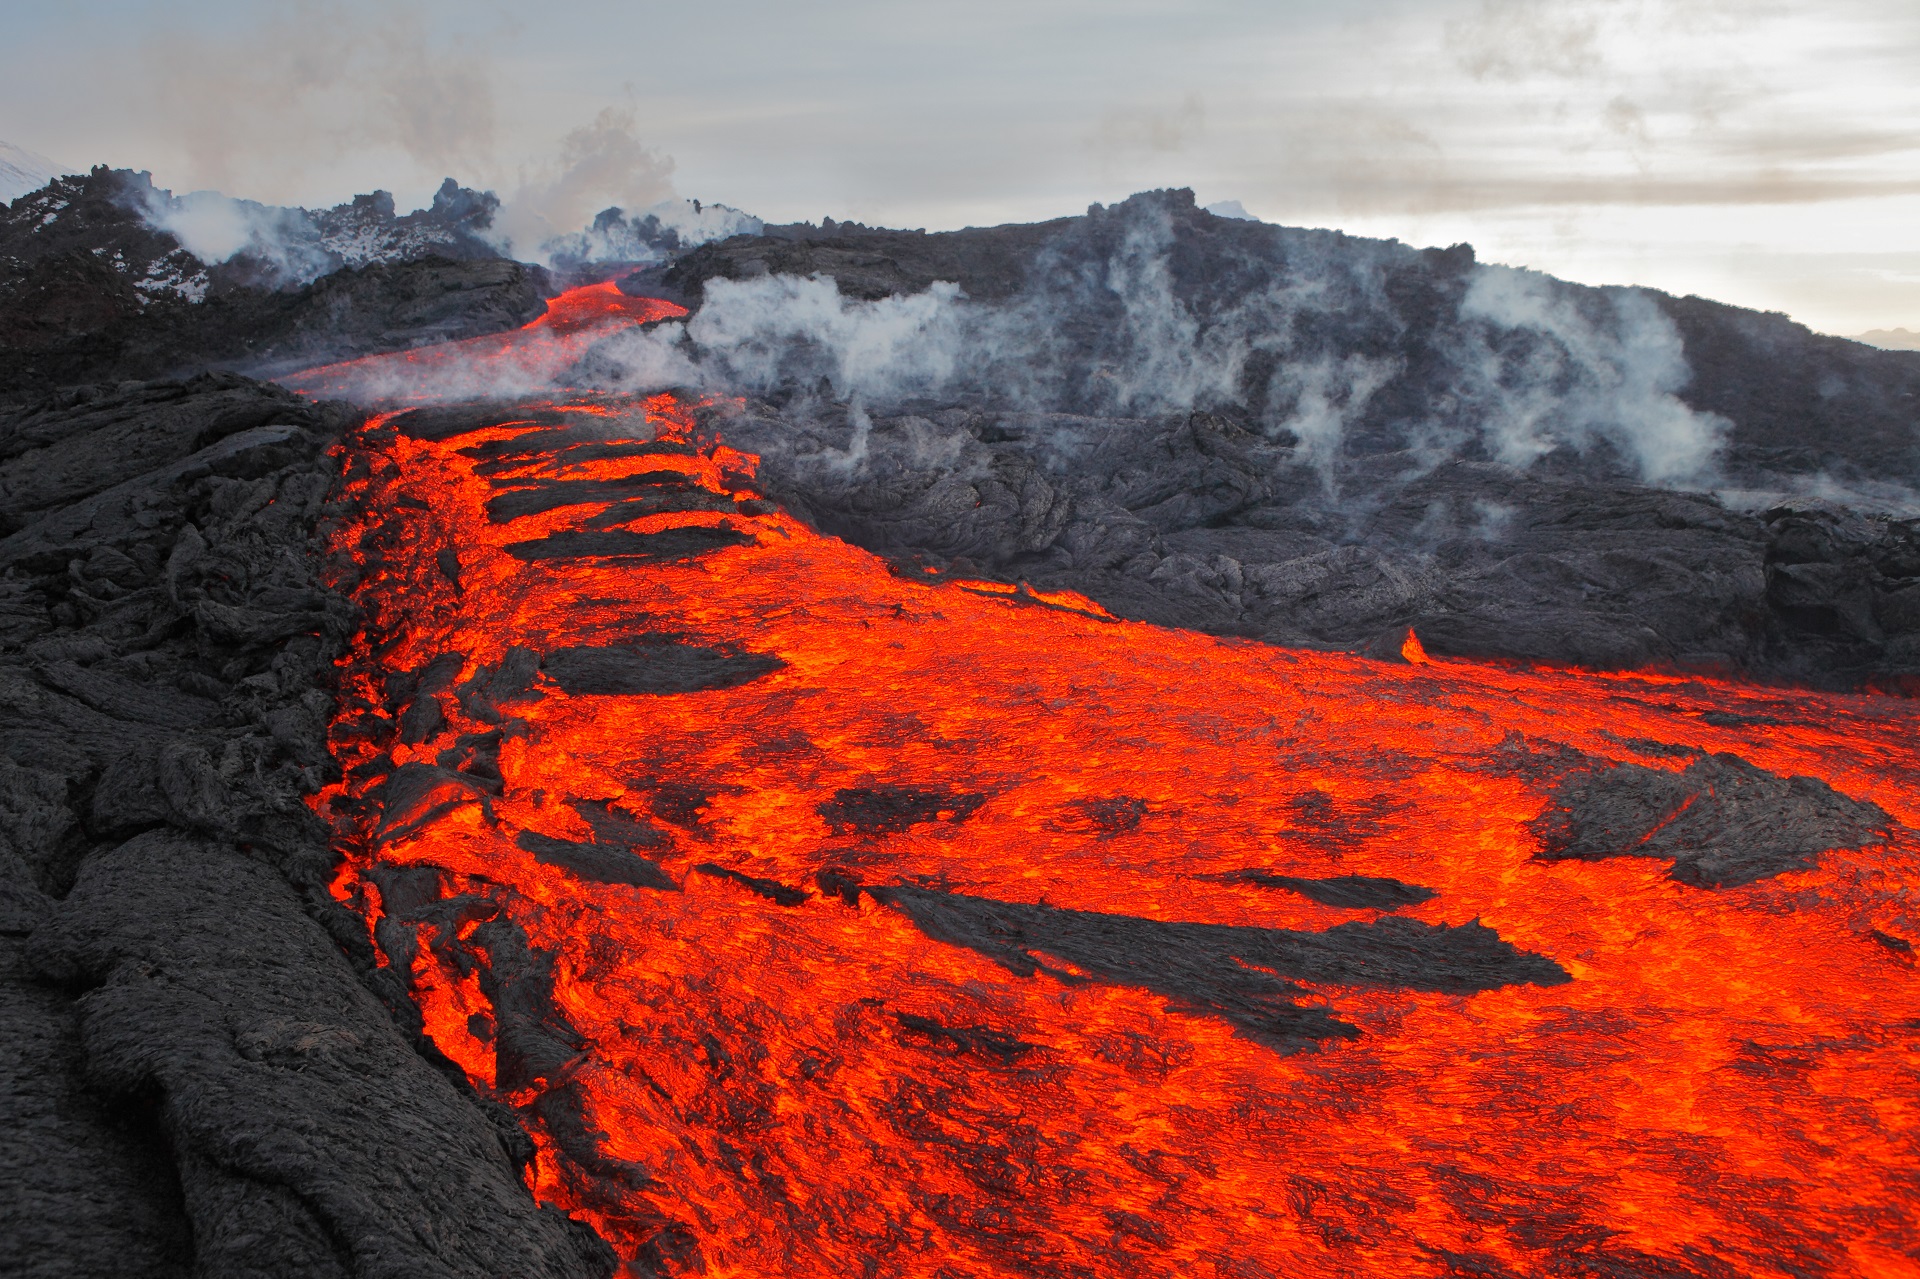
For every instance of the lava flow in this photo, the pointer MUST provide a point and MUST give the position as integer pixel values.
(534, 355)
(818, 917)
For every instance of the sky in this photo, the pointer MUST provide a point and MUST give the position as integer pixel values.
(1763, 152)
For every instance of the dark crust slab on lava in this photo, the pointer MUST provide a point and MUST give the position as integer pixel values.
(1237, 973)
(1360, 892)
(667, 545)
(437, 424)
(772, 889)
(1722, 821)
(888, 810)
(596, 863)
(653, 664)
(539, 498)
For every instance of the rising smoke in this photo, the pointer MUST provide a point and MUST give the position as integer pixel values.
(1312, 353)
(215, 228)
(601, 165)
(606, 198)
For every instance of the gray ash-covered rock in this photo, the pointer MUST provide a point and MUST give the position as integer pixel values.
(1722, 821)
(203, 1070)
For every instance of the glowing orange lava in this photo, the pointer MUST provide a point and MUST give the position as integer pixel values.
(534, 355)
(694, 937)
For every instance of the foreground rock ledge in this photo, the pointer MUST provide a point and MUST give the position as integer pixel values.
(201, 1069)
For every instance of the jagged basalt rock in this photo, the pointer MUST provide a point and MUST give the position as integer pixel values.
(1196, 523)
(310, 1135)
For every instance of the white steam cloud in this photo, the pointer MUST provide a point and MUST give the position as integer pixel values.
(601, 165)
(314, 81)
(1528, 366)
(217, 228)
(1609, 378)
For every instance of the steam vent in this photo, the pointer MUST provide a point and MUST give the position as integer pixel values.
(835, 752)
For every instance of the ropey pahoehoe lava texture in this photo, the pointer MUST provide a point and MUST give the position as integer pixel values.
(202, 1070)
(821, 916)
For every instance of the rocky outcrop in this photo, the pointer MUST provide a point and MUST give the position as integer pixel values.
(91, 289)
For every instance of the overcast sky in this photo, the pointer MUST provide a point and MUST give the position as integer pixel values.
(1762, 152)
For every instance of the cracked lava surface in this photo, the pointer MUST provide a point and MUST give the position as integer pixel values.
(818, 917)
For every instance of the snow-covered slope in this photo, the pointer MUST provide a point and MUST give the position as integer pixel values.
(22, 171)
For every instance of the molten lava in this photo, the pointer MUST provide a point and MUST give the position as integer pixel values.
(818, 918)
(536, 355)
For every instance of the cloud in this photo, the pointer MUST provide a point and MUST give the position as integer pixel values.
(1519, 39)
(1135, 131)
(310, 81)
(1582, 379)
(601, 165)
(1521, 125)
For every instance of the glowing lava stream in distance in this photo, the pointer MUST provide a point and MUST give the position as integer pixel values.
(534, 355)
(679, 817)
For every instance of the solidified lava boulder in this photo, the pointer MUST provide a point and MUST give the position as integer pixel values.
(202, 1069)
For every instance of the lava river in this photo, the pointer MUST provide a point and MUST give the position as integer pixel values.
(818, 916)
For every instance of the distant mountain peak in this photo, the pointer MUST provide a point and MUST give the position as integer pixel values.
(1890, 339)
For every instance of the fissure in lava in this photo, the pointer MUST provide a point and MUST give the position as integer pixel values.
(818, 918)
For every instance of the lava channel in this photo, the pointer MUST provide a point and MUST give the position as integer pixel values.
(817, 918)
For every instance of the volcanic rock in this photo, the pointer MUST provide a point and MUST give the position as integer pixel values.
(1316, 439)
(1198, 523)
(205, 1071)
(91, 290)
